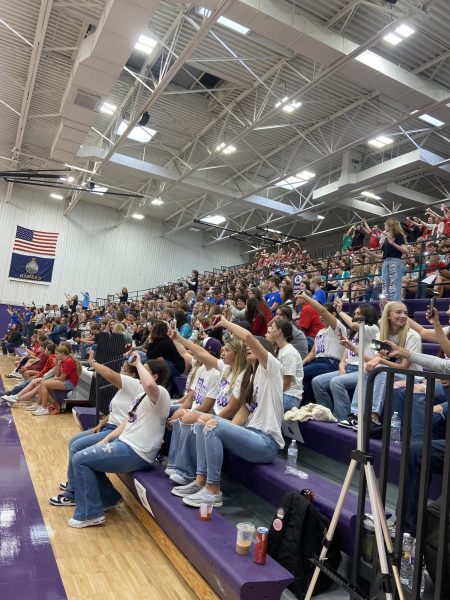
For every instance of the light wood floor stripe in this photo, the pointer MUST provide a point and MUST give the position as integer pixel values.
(118, 560)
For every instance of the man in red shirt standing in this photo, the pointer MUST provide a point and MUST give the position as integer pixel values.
(309, 319)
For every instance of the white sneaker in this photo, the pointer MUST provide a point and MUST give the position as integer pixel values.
(79, 524)
(12, 399)
(16, 375)
(179, 479)
(169, 471)
(40, 412)
(32, 407)
(5, 397)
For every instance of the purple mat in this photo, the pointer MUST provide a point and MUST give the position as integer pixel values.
(28, 569)
(209, 546)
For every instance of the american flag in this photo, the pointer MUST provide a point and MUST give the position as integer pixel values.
(30, 241)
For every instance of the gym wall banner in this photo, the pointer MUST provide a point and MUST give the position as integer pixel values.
(33, 256)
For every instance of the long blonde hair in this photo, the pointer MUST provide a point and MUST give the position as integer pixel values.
(395, 228)
(385, 332)
(239, 363)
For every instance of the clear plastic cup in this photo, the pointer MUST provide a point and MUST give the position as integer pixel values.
(206, 507)
(244, 537)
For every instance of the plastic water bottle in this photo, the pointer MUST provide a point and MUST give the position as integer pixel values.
(292, 455)
(395, 428)
(422, 578)
(406, 567)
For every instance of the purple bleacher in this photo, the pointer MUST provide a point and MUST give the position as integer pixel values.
(430, 348)
(209, 545)
(84, 416)
(179, 384)
(271, 483)
(337, 442)
(19, 351)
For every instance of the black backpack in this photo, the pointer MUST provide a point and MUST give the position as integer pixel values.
(300, 538)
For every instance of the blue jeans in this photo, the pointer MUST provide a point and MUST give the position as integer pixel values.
(379, 388)
(418, 412)
(8, 347)
(290, 402)
(183, 452)
(247, 443)
(19, 387)
(93, 490)
(391, 276)
(313, 369)
(78, 442)
(332, 390)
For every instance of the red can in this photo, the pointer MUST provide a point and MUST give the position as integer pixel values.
(262, 536)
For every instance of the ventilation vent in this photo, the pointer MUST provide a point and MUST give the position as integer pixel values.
(87, 100)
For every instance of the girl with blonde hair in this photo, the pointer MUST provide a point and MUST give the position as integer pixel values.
(394, 327)
(393, 247)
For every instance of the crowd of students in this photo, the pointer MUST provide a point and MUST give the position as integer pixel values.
(252, 349)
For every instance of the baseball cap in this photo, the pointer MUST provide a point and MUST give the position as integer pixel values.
(212, 345)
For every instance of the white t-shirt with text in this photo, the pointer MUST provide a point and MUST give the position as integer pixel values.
(292, 365)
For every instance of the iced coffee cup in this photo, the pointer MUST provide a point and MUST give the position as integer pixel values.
(245, 533)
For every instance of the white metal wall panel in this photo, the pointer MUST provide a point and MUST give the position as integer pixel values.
(94, 255)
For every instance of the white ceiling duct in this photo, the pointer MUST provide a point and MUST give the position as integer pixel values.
(100, 60)
(353, 183)
(201, 185)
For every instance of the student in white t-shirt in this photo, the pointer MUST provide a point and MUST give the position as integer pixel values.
(326, 354)
(200, 398)
(129, 387)
(254, 432)
(333, 389)
(132, 446)
(231, 368)
(280, 334)
(394, 327)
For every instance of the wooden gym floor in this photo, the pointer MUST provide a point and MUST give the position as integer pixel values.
(119, 560)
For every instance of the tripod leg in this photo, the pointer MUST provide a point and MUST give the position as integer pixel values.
(333, 524)
(388, 541)
(381, 533)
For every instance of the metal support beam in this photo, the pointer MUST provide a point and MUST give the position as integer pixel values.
(38, 43)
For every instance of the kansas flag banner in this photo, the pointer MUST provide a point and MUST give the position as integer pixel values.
(33, 256)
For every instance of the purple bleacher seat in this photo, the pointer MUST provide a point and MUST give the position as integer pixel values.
(20, 352)
(337, 442)
(59, 395)
(271, 483)
(430, 348)
(209, 545)
(179, 384)
(84, 416)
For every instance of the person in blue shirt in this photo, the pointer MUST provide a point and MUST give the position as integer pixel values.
(318, 292)
(59, 332)
(86, 300)
(273, 297)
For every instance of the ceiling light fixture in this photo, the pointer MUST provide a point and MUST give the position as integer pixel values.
(401, 33)
(320, 217)
(222, 147)
(97, 189)
(145, 44)
(138, 134)
(56, 196)
(431, 120)
(288, 107)
(157, 202)
(205, 12)
(380, 141)
(108, 108)
(370, 195)
(137, 216)
(214, 219)
(293, 182)
(272, 230)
